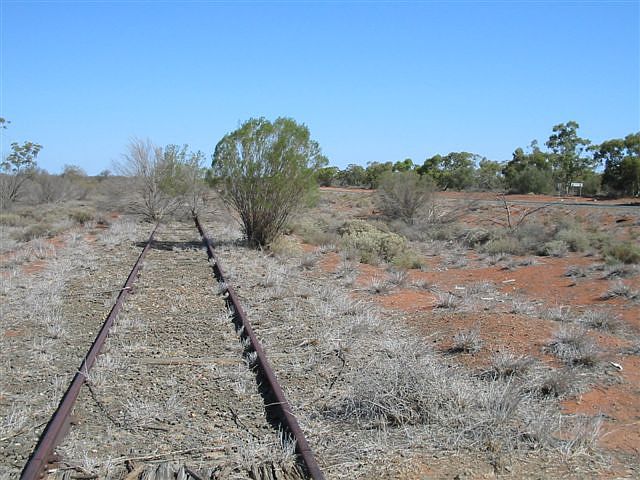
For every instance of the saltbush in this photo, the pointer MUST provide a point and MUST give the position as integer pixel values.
(371, 241)
(38, 230)
(575, 238)
(82, 216)
(12, 220)
(625, 253)
(555, 248)
(507, 244)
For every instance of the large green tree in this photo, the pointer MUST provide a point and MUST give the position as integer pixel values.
(529, 172)
(354, 176)
(265, 169)
(452, 171)
(488, 175)
(622, 164)
(569, 153)
(375, 171)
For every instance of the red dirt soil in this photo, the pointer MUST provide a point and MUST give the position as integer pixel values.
(545, 284)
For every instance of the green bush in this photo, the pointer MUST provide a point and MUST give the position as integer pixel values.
(408, 260)
(475, 236)
(265, 171)
(624, 252)
(82, 216)
(38, 230)
(371, 241)
(531, 180)
(285, 247)
(314, 233)
(507, 244)
(555, 248)
(576, 239)
(12, 220)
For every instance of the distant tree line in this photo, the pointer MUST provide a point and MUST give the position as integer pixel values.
(612, 168)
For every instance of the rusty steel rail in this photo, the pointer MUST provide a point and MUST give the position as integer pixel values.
(280, 403)
(57, 427)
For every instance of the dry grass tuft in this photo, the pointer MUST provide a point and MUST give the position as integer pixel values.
(467, 341)
(572, 345)
(602, 320)
(508, 365)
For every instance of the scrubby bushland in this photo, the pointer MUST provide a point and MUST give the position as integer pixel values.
(264, 171)
(403, 194)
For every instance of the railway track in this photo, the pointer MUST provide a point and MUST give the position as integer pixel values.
(178, 392)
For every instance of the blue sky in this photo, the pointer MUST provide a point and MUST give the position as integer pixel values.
(374, 81)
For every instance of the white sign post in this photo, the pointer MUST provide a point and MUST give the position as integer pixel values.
(577, 185)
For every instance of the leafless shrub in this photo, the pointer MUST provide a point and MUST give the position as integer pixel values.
(403, 194)
(572, 345)
(164, 179)
(482, 287)
(467, 341)
(523, 307)
(447, 300)
(559, 313)
(602, 320)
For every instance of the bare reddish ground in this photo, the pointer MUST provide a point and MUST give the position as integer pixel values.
(544, 282)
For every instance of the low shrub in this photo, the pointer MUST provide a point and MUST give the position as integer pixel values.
(38, 230)
(504, 245)
(576, 239)
(314, 233)
(408, 260)
(555, 248)
(371, 241)
(475, 236)
(82, 216)
(12, 220)
(285, 246)
(624, 252)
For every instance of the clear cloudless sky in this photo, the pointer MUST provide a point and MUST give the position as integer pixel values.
(373, 80)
